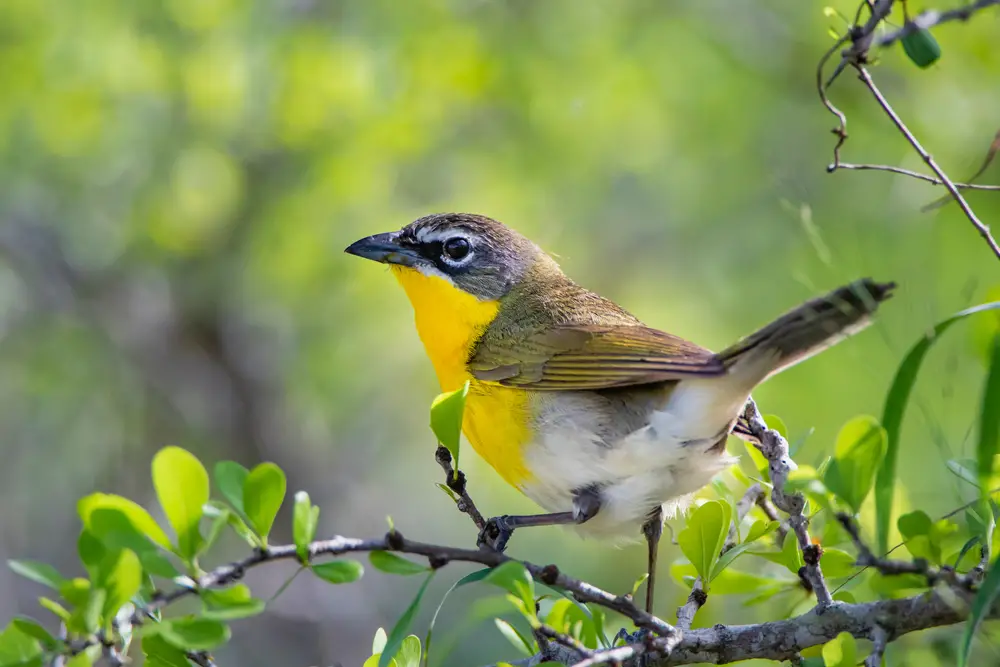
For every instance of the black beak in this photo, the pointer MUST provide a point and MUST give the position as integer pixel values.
(384, 248)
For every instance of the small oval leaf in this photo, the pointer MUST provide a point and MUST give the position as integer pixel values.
(181, 483)
(339, 571)
(263, 493)
(392, 564)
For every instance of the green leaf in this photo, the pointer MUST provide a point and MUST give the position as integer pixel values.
(56, 608)
(892, 419)
(138, 517)
(263, 493)
(775, 422)
(989, 590)
(512, 635)
(921, 48)
(193, 633)
(640, 580)
(514, 578)
(341, 571)
(472, 577)
(447, 410)
(789, 556)
(305, 518)
(80, 660)
(409, 652)
(159, 653)
(88, 616)
(704, 535)
(727, 558)
(388, 562)
(33, 628)
(837, 563)
(230, 477)
(758, 460)
(228, 604)
(841, 651)
(395, 640)
(121, 576)
(860, 448)
(92, 552)
(41, 573)
(728, 581)
(181, 483)
(17, 649)
(989, 423)
(116, 530)
(75, 591)
(761, 528)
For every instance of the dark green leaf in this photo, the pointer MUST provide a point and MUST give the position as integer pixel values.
(704, 535)
(161, 654)
(892, 419)
(193, 633)
(921, 47)
(305, 518)
(113, 527)
(341, 571)
(230, 477)
(230, 603)
(761, 528)
(41, 573)
(395, 640)
(989, 423)
(447, 410)
(860, 448)
(91, 551)
(989, 590)
(389, 562)
(181, 483)
(728, 557)
(728, 581)
(263, 493)
(75, 591)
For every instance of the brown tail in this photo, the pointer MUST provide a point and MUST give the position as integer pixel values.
(805, 330)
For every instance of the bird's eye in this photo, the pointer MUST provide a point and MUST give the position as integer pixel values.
(456, 248)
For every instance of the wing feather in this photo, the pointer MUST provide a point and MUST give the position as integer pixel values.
(574, 357)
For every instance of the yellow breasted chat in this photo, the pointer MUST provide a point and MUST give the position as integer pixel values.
(607, 424)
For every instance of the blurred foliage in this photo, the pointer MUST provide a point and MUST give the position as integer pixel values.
(177, 181)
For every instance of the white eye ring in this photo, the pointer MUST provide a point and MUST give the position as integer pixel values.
(456, 250)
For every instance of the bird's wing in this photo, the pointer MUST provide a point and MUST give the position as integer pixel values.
(574, 357)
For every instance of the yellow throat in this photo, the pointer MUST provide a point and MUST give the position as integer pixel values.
(449, 322)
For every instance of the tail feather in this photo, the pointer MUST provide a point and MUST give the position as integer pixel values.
(805, 330)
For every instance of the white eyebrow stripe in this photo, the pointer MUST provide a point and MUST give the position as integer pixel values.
(425, 235)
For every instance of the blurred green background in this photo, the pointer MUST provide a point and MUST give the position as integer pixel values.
(178, 180)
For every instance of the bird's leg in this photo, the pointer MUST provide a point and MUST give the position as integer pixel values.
(498, 530)
(652, 530)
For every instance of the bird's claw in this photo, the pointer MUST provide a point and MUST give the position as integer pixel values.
(495, 534)
(640, 636)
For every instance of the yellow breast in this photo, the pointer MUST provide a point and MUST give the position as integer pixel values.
(449, 321)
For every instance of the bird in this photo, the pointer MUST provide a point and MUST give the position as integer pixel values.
(609, 425)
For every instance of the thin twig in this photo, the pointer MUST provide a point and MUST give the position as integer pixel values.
(775, 449)
(914, 174)
(879, 640)
(455, 480)
(545, 632)
(984, 231)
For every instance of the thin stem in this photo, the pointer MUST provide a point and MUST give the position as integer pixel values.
(984, 231)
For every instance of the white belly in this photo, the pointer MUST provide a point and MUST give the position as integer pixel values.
(660, 464)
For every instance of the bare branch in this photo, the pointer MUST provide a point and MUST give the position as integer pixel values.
(912, 174)
(984, 231)
(879, 640)
(455, 480)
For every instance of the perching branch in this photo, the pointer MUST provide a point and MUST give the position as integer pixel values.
(780, 464)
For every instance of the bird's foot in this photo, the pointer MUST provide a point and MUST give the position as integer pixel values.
(640, 636)
(495, 534)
